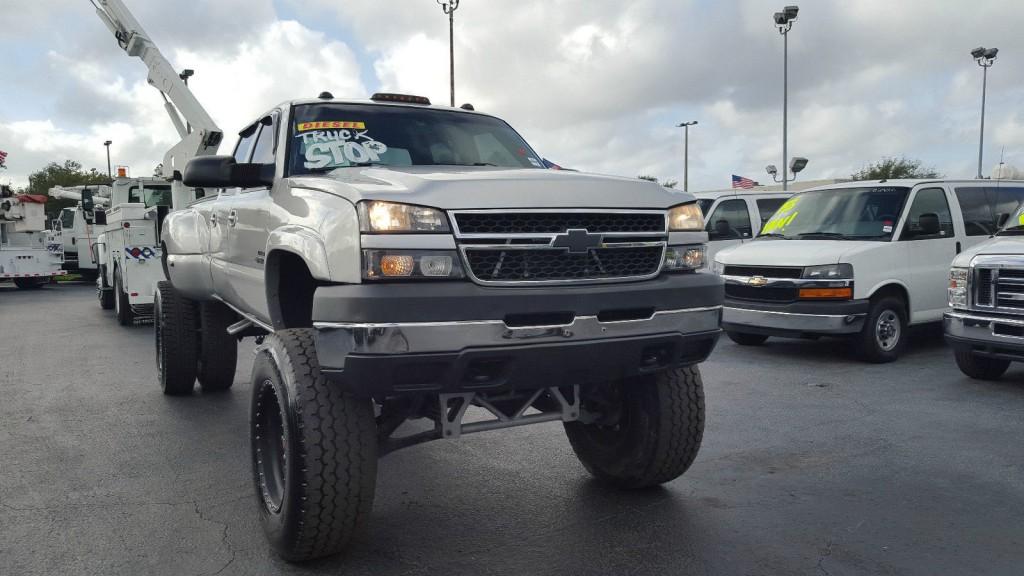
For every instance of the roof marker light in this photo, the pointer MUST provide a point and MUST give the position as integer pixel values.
(405, 98)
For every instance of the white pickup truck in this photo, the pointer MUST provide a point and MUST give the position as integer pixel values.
(399, 261)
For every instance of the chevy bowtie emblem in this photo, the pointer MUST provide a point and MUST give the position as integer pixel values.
(577, 241)
(757, 281)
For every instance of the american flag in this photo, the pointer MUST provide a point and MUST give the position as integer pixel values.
(741, 182)
(3, 158)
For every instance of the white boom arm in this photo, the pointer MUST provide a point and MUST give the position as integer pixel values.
(200, 135)
(100, 198)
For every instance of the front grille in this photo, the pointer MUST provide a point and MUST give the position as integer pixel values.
(502, 223)
(496, 265)
(766, 271)
(1009, 288)
(983, 287)
(762, 293)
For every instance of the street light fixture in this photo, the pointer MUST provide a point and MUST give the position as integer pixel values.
(686, 152)
(784, 22)
(985, 57)
(796, 165)
(107, 144)
(449, 7)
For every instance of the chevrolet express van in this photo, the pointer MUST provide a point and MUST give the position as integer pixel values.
(733, 217)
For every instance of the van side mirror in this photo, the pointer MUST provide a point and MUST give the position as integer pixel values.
(929, 224)
(100, 217)
(224, 172)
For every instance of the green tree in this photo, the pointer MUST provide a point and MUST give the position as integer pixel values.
(70, 173)
(891, 168)
(665, 183)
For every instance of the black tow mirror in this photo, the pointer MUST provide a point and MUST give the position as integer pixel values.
(100, 217)
(224, 172)
(87, 202)
(929, 224)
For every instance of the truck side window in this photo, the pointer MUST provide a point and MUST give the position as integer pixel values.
(986, 207)
(246, 139)
(929, 217)
(263, 152)
(766, 207)
(729, 221)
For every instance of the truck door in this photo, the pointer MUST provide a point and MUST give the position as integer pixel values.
(929, 226)
(247, 229)
(217, 215)
(728, 225)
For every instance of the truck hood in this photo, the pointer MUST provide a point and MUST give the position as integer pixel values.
(1012, 245)
(489, 187)
(768, 252)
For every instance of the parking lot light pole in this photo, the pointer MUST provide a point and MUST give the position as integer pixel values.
(107, 144)
(985, 57)
(686, 152)
(784, 22)
(449, 7)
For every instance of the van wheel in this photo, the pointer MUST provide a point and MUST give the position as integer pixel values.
(218, 350)
(314, 451)
(883, 337)
(746, 338)
(650, 430)
(980, 367)
(174, 323)
(122, 308)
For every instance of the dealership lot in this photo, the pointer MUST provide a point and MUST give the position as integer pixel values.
(812, 463)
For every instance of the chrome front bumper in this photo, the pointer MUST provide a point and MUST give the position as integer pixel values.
(783, 323)
(993, 335)
(434, 337)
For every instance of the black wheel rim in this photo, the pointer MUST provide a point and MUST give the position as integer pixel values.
(271, 455)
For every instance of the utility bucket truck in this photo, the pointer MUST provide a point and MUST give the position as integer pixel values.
(28, 256)
(76, 229)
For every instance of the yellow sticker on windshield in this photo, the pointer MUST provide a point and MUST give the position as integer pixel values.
(331, 125)
(783, 216)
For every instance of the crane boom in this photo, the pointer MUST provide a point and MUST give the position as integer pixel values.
(200, 135)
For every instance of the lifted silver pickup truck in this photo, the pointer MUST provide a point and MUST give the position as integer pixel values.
(399, 261)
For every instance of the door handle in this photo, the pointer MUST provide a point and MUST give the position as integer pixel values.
(213, 219)
(958, 247)
(232, 218)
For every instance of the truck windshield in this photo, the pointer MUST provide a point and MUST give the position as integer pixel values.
(704, 204)
(1015, 224)
(150, 194)
(326, 137)
(868, 213)
(67, 218)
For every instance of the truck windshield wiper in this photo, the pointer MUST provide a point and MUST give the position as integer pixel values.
(773, 235)
(352, 165)
(467, 164)
(821, 235)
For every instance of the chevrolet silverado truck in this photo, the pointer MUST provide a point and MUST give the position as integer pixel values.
(413, 272)
(985, 323)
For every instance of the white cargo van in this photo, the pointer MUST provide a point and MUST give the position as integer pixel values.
(735, 216)
(860, 259)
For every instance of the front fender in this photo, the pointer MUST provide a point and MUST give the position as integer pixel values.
(304, 243)
(182, 233)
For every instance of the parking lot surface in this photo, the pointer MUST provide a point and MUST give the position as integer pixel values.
(812, 463)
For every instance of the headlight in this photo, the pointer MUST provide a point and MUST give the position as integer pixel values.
(679, 258)
(685, 218)
(958, 279)
(411, 265)
(829, 272)
(375, 216)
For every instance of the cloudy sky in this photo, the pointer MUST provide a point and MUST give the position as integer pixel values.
(593, 84)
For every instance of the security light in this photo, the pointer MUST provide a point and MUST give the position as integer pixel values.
(780, 19)
(772, 169)
(797, 164)
(991, 53)
(790, 12)
(978, 52)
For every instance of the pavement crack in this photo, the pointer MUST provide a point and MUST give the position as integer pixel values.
(223, 539)
(825, 555)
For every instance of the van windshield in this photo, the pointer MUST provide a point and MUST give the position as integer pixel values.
(1015, 224)
(326, 137)
(868, 213)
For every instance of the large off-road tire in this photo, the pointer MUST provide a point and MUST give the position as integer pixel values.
(218, 350)
(175, 326)
(122, 308)
(314, 451)
(106, 298)
(884, 335)
(980, 367)
(30, 283)
(746, 338)
(655, 436)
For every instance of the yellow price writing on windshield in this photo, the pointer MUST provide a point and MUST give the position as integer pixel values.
(782, 217)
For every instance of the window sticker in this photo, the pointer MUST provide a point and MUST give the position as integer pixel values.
(330, 125)
(783, 216)
(535, 162)
(328, 148)
(887, 228)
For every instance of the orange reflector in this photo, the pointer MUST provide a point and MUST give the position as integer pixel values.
(396, 265)
(811, 293)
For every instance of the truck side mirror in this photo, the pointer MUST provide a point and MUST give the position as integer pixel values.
(100, 217)
(929, 224)
(224, 172)
(87, 202)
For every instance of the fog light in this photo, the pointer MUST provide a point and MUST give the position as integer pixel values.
(683, 258)
(396, 265)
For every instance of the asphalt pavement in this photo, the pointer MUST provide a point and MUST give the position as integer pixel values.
(812, 463)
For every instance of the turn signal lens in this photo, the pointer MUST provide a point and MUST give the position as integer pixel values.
(829, 293)
(396, 265)
(412, 265)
